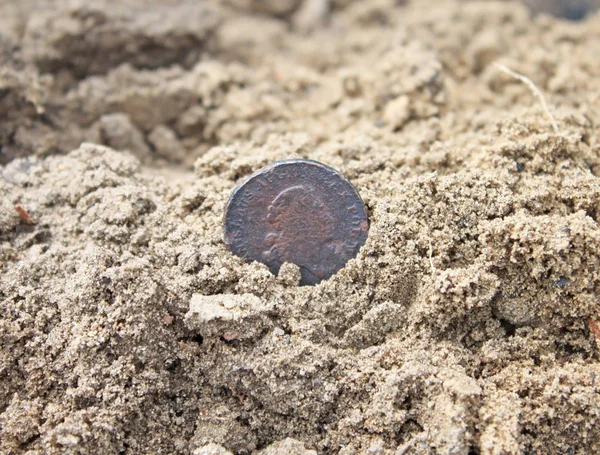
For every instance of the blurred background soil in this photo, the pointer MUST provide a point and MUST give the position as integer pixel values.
(466, 325)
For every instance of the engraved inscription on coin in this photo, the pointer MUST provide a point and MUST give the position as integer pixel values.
(297, 211)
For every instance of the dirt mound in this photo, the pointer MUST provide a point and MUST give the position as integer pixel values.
(466, 323)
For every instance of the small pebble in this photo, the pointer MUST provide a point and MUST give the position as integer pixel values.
(562, 282)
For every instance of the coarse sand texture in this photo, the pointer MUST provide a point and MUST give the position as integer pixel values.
(468, 324)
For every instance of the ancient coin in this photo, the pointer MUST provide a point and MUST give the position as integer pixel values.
(297, 211)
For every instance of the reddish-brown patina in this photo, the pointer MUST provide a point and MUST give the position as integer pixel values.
(297, 211)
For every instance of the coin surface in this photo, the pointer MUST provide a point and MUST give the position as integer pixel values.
(297, 211)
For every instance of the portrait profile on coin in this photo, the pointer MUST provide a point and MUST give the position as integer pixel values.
(297, 211)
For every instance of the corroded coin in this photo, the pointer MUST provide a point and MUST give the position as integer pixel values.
(297, 211)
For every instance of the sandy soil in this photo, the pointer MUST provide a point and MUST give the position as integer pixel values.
(466, 325)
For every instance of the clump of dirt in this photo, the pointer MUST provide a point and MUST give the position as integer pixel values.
(466, 323)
